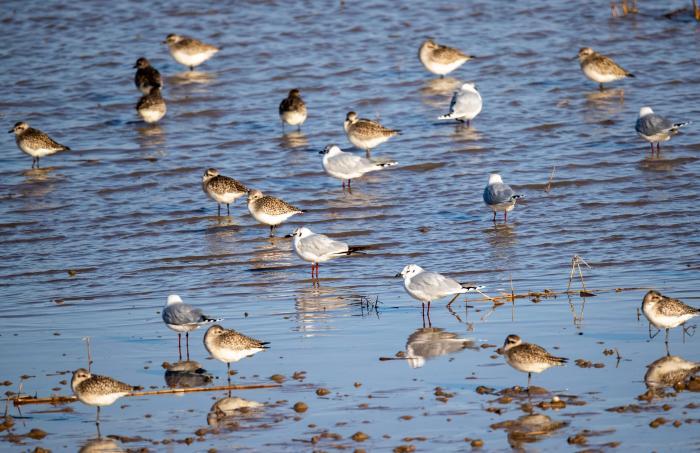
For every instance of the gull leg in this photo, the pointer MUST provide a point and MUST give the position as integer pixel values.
(179, 347)
(349, 184)
(494, 216)
(469, 123)
(453, 299)
(430, 323)
(317, 266)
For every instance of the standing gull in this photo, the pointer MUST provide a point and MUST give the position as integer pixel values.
(655, 128)
(366, 134)
(189, 51)
(347, 166)
(146, 76)
(292, 109)
(666, 313)
(151, 107)
(228, 346)
(499, 196)
(600, 68)
(222, 189)
(95, 390)
(318, 248)
(466, 104)
(34, 142)
(270, 210)
(529, 358)
(439, 59)
(181, 317)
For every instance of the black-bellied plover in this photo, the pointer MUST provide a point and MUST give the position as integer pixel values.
(599, 68)
(465, 105)
(222, 189)
(441, 60)
(292, 109)
(348, 166)
(529, 358)
(182, 317)
(319, 248)
(189, 51)
(655, 128)
(499, 196)
(34, 142)
(228, 346)
(151, 107)
(146, 76)
(666, 313)
(366, 134)
(270, 210)
(96, 390)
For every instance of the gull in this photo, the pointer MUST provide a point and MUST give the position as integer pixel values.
(292, 109)
(270, 210)
(427, 286)
(228, 346)
(189, 51)
(529, 358)
(366, 134)
(182, 317)
(347, 166)
(655, 128)
(34, 142)
(499, 196)
(146, 76)
(441, 60)
(666, 313)
(319, 248)
(600, 68)
(96, 390)
(465, 105)
(222, 189)
(151, 107)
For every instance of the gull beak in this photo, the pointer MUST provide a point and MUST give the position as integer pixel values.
(322, 151)
(289, 235)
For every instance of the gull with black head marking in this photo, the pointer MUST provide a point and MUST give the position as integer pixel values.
(189, 51)
(228, 346)
(292, 109)
(441, 60)
(465, 105)
(348, 166)
(34, 142)
(666, 313)
(222, 189)
(600, 68)
(182, 317)
(96, 390)
(366, 134)
(529, 358)
(146, 76)
(319, 248)
(655, 128)
(151, 107)
(269, 210)
(499, 196)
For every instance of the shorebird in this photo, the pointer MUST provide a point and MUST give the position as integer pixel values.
(189, 51)
(222, 189)
(318, 248)
(151, 107)
(95, 390)
(427, 286)
(181, 317)
(270, 210)
(666, 313)
(228, 346)
(348, 166)
(293, 109)
(599, 68)
(34, 142)
(441, 60)
(529, 358)
(465, 105)
(655, 128)
(366, 134)
(499, 196)
(146, 76)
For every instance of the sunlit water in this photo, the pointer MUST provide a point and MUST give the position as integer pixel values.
(126, 213)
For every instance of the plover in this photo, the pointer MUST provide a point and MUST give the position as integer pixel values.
(600, 68)
(668, 371)
(181, 317)
(655, 128)
(318, 248)
(151, 107)
(222, 189)
(441, 60)
(348, 166)
(189, 51)
(95, 390)
(427, 286)
(499, 196)
(529, 358)
(34, 142)
(366, 134)
(465, 105)
(430, 342)
(293, 109)
(270, 210)
(146, 76)
(228, 346)
(666, 313)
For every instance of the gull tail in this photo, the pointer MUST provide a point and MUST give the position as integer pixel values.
(449, 116)
(677, 126)
(472, 288)
(386, 164)
(357, 249)
(208, 320)
(517, 197)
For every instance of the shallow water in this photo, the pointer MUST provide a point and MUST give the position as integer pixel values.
(125, 213)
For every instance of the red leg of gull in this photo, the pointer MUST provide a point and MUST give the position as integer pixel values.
(343, 184)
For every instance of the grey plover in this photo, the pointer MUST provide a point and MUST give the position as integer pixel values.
(146, 76)
(441, 60)
(228, 346)
(529, 358)
(34, 142)
(348, 166)
(292, 109)
(96, 390)
(465, 105)
(655, 128)
(668, 371)
(666, 313)
(151, 107)
(427, 286)
(270, 210)
(499, 196)
(599, 68)
(319, 248)
(189, 51)
(222, 189)
(366, 134)
(182, 317)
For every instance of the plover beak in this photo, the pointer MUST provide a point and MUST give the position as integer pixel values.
(397, 275)
(10, 131)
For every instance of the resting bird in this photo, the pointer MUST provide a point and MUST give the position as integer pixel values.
(439, 59)
(466, 104)
(655, 128)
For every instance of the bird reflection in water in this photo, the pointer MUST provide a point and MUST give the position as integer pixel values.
(38, 182)
(669, 371)
(528, 429)
(430, 342)
(101, 445)
(438, 92)
(192, 77)
(294, 139)
(227, 410)
(316, 306)
(464, 133)
(601, 105)
(151, 136)
(186, 374)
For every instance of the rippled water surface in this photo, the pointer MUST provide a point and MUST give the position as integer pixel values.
(94, 241)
